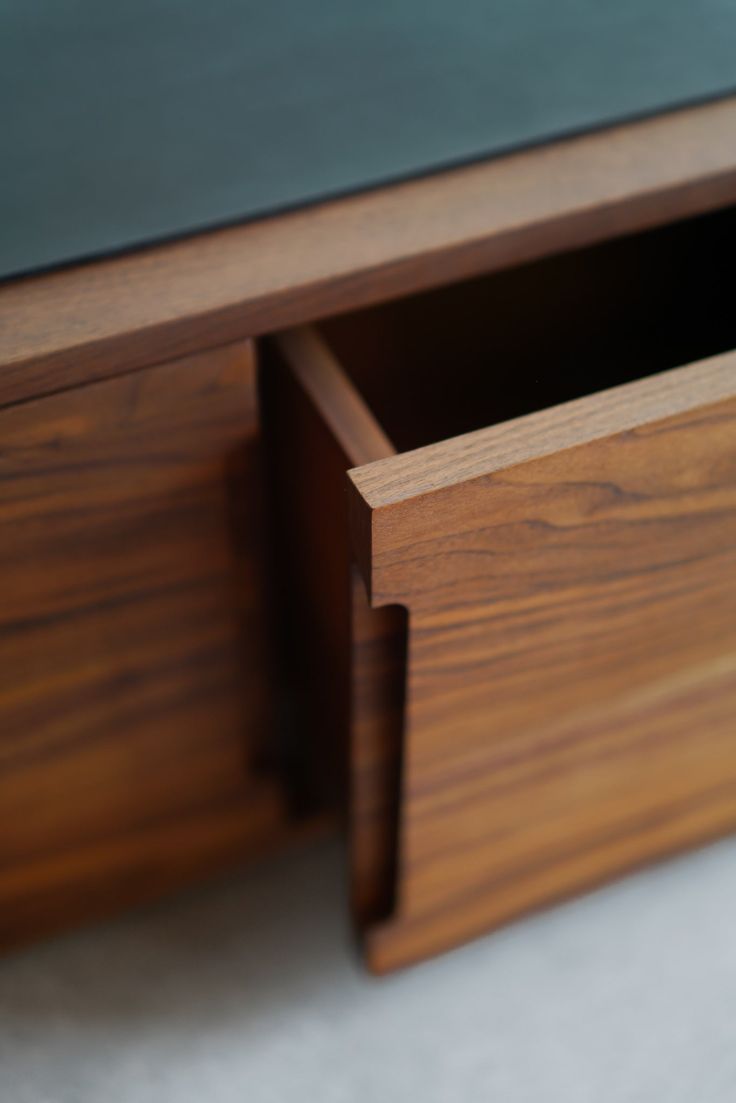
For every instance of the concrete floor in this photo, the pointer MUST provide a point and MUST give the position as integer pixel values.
(249, 991)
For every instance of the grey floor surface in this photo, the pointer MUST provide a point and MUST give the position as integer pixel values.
(249, 990)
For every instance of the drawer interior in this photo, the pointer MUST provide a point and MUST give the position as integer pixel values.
(483, 351)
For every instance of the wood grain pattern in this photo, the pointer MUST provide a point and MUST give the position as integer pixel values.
(377, 647)
(134, 703)
(112, 316)
(462, 459)
(571, 684)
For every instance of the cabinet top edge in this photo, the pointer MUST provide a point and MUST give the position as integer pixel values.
(99, 319)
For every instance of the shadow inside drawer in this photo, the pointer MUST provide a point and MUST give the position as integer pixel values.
(480, 352)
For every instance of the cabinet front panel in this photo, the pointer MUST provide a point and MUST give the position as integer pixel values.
(133, 640)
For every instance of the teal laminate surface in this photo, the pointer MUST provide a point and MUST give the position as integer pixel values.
(132, 122)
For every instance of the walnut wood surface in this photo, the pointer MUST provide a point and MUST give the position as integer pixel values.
(132, 653)
(133, 689)
(571, 686)
(378, 640)
(115, 315)
(343, 660)
(464, 458)
(570, 583)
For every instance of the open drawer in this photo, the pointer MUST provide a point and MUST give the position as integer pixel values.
(521, 598)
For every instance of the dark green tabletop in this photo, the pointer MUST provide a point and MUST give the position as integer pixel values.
(127, 123)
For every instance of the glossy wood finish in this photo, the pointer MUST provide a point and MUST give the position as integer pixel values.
(134, 699)
(571, 688)
(112, 316)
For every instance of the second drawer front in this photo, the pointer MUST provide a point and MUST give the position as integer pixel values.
(570, 709)
(567, 703)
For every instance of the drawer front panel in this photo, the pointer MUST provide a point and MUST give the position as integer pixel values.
(571, 674)
(133, 689)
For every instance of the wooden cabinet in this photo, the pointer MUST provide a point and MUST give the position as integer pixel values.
(134, 685)
(504, 642)
(542, 686)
